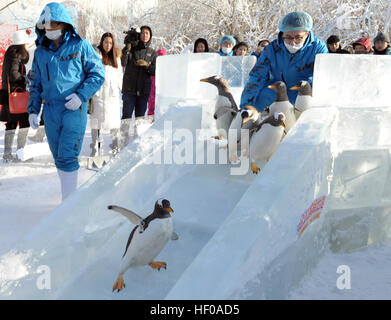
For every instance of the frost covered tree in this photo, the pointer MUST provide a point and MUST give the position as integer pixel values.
(176, 24)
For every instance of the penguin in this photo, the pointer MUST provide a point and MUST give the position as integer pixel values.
(226, 108)
(282, 104)
(147, 238)
(248, 119)
(304, 98)
(265, 140)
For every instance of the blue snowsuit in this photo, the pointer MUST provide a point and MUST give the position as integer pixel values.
(73, 67)
(276, 63)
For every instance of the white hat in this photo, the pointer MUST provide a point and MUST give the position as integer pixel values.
(20, 37)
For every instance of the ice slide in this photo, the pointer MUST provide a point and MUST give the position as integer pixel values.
(240, 236)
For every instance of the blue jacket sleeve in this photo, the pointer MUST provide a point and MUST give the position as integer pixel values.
(94, 71)
(35, 88)
(258, 77)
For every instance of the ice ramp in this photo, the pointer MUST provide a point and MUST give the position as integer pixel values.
(81, 243)
(327, 188)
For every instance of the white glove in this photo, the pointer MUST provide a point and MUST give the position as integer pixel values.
(74, 102)
(33, 119)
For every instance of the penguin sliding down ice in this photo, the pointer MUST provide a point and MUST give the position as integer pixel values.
(226, 108)
(265, 140)
(147, 239)
(248, 118)
(282, 104)
(304, 98)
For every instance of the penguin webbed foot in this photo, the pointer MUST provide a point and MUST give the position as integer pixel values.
(158, 265)
(119, 284)
(254, 168)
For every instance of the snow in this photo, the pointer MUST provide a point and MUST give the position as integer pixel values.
(238, 234)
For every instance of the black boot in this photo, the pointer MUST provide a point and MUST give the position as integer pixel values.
(8, 141)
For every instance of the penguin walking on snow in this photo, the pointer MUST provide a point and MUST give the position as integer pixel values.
(282, 104)
(247, 118)
(265, 140)
(226, 108)
(147, 238)
(304, 98)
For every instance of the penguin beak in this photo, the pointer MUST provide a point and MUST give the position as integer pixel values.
(272, 87)
(169, 210)
(283, 124)
(295, 88)
(204, 80)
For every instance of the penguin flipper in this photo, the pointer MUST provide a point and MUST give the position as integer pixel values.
(133, 217)
(223, 110)
(174, 236)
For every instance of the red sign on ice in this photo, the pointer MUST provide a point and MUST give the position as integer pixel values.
(311, 214)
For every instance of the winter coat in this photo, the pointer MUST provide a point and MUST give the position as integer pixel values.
(56, 73)
(14, 71)
(106, 103)
(276, 63)
(341, 51)
(137, 79)
(386, 51)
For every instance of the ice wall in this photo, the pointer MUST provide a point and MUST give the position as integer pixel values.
(339, 152)
(178, 80)
(346, 80)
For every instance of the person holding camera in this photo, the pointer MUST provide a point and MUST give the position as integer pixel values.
(139, 62)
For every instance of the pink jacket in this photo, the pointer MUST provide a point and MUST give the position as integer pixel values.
(151, 100)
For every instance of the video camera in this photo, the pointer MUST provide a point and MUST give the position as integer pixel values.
(132, 36)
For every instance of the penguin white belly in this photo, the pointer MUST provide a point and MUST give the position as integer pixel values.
(286, 108)
(303, 103)
(144, 247)
(265, 142)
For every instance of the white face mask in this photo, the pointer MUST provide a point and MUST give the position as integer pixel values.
(294, 48)
(53, 35)
(226, 50)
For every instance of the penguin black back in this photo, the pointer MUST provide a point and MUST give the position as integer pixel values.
(161, 211)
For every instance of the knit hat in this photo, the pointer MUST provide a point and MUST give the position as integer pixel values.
(296, 21)
(228, 38)
(20, 37)
(366, 42)
(381, 36)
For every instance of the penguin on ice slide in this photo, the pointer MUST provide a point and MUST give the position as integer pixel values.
(147, 238)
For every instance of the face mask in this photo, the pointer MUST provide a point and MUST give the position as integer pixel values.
(54, 35)
(295, 48)
(226, 50)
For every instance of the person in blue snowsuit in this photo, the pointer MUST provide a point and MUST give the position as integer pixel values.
(66, 72)
(289, 58)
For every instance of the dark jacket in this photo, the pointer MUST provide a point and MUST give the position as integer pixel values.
(341, 51)
(14, 71)
(137, 80)
(386, 51)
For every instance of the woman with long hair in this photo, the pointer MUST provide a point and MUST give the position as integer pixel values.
(14, 76)
(106, 102)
